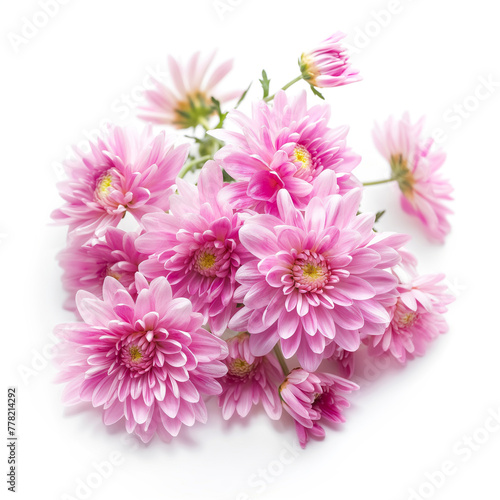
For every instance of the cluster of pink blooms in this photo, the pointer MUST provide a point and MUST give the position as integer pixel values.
(257, 284)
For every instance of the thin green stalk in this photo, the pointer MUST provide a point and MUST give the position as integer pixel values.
(374, 183)
(289, 84)
(189, 166)
(281, 359)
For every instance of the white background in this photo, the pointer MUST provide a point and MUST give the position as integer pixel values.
(428, 58)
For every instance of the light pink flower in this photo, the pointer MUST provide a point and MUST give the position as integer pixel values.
(416, 318)
(283, 147)
(328, 64)
(315, 278)
(85, 267)
(124, 172)
(148, 361)
(197, 247)
(415, 165)
(188, 103)
(311, 398)
(249, 380)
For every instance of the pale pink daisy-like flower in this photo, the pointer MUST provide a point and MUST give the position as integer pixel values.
(415, 165)
(188, 102)
(125, 171)
(147, 360)
(85, 267)
(249, 380)
(283, 147)
(416, 318)
(316, 277)
(328, 64)
(197, 247)
(311, 398)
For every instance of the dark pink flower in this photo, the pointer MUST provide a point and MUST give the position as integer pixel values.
(416, 317)
(249, 380)
(85, 267)
(328, 64)
(124, 172)
(311, 398)
(316, 277)
(197, 247)
(283, 147)
(147, 360)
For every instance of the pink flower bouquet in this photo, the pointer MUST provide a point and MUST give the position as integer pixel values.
(250, 274)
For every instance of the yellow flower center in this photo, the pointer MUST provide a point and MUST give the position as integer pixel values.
(135, 353)
(206, 261)
(104, 184)
(311, 271)
(302, 156)
(408, 319)
(240, 368)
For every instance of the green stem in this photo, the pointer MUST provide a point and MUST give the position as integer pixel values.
(374, 183)
(204, 123)
(189, 166)
(281, 359)
(289, 84)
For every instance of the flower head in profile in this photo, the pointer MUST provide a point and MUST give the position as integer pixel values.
(125, 171)
(316, 277)
(197, 247)
(85, 267)
(147, 360)
(328, 64)
(188, 102)
(249, 380)
(312, 398)
(284, 147)
(416, 318)
(415, 164)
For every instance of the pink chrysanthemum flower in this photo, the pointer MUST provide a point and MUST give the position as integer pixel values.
(314, 397)
(328, 64)
(345, 360)
(85, 267)
(315, 278)
(148, 361)
(415, 166)
(189, 102)
(124, 172)
(416, 318)
(197, 247)
(249, 380)
(283, 147)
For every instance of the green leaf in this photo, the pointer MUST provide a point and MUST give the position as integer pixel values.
(222, 116)
(379, 215)
(315, 91)
(226, 177)
(265, 83)
(243, 96)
